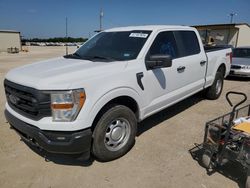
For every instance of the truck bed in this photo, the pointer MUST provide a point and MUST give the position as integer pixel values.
(215, 48)
(215, 56)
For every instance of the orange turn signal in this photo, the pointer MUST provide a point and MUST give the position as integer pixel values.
(67, 106)
(82, 99)
(62, 106)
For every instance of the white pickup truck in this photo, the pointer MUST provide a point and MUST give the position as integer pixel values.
(91, 101)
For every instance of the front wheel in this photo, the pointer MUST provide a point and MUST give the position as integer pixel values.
(214, 91)
(114, 134)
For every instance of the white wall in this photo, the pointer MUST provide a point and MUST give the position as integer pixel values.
(244, 35)
(8, 40)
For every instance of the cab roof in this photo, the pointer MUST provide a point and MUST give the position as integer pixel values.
(149, 28)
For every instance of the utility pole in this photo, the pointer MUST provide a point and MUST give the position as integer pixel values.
(66, 36)
(232, 14)
(101, 17)
(100, 20)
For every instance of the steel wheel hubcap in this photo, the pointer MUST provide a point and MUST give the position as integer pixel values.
(218, 86)
(117, 134)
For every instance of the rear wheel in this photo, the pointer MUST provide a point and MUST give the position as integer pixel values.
(214, 91)
(114, 134)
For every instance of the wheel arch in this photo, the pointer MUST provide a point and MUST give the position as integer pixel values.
(222, 68)
(128, 98)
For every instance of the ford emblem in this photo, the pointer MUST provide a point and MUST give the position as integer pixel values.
(13, 99)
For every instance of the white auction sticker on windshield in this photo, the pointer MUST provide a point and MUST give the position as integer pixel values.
(139, 35)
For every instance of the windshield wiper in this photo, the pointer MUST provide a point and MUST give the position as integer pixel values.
(91, 58)
(73, 56)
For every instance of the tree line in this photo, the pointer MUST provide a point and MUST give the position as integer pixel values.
(56, 39)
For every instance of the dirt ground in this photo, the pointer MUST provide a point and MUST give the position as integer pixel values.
(160, 157)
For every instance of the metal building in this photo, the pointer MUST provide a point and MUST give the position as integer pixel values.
(237, 34)
(9, 39)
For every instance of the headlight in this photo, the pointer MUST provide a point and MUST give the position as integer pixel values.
(66, 105)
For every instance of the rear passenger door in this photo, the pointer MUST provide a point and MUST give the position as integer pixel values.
(165, 86)
(192, 62)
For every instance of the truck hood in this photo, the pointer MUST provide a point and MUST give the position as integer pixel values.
(240, 61)
(61, 73)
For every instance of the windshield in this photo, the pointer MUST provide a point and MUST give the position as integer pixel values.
(112, 46)
(241, 52)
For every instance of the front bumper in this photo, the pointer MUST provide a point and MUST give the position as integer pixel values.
(66, 142)
(239, 72)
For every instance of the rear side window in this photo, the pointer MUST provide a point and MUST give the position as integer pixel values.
(187, 43)
(164, 44)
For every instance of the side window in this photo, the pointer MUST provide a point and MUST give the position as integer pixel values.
(187, 43)
(164, 44)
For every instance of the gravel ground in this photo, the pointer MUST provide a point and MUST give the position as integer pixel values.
(160, 157)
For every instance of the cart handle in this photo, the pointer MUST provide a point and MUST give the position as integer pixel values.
(236, 93)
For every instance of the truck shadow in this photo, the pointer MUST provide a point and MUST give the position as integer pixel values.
(167, 113)
(230, 170)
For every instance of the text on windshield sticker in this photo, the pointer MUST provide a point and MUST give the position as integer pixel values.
(139, 35)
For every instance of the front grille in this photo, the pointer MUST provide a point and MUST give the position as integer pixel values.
(235, 67)
(29, 102)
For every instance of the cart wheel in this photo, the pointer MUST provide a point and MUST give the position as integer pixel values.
(248, 180)
(207, 159)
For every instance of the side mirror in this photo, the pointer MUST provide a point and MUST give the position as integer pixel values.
(158, 61)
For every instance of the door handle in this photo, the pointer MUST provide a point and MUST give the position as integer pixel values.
(203, 63)
(181, 69)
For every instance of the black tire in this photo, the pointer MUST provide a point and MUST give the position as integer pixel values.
(207, 159)
(248, 180)
(117, 123)
(214, 91)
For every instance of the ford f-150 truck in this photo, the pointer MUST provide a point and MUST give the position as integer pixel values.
(91, 101)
